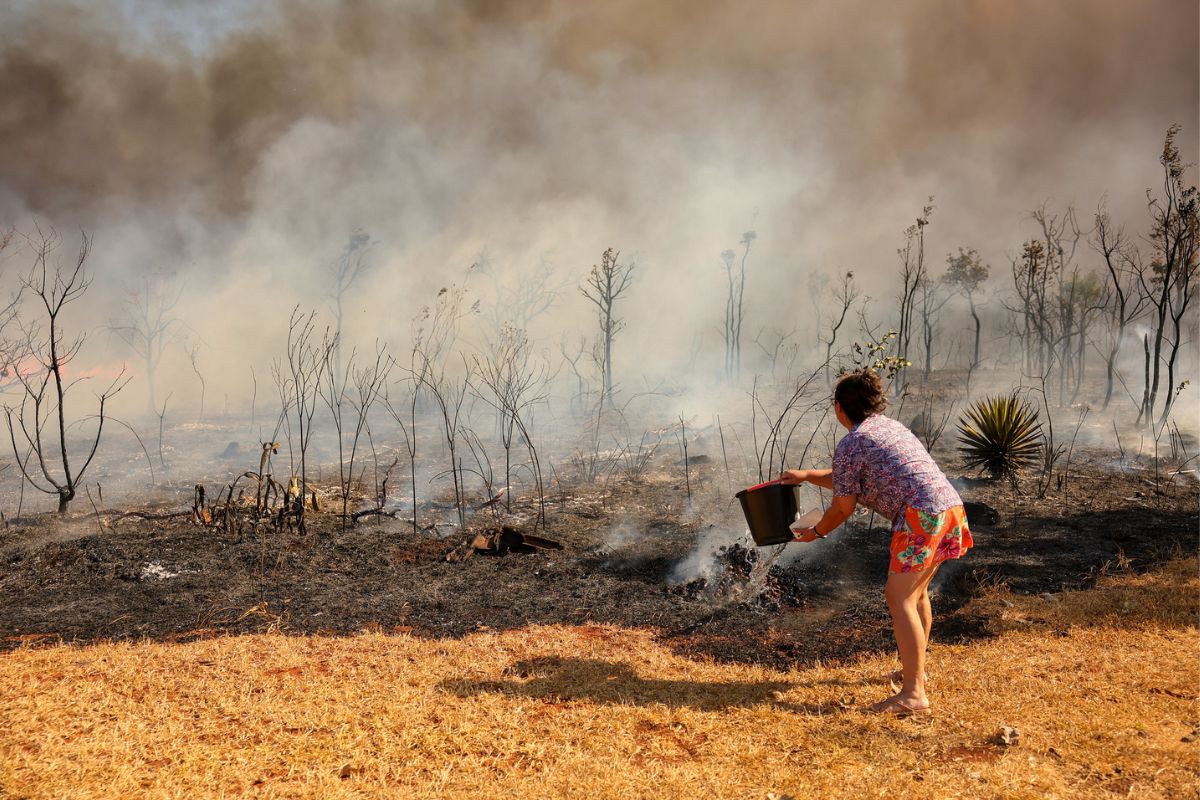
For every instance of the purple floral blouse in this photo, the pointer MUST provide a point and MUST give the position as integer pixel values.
(888, 468)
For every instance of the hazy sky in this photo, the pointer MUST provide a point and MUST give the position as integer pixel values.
(240, 143)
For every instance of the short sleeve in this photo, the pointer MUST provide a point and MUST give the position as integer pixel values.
(847, 471)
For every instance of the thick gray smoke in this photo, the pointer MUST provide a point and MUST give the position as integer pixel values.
(239, 144)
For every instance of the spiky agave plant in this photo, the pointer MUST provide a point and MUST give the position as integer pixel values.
(1000, 434)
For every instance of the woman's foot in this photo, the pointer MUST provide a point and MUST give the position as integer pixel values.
(901, 705)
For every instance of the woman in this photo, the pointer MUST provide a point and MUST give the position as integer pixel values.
(882, 465)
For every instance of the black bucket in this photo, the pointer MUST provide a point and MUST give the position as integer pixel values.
(769, 508)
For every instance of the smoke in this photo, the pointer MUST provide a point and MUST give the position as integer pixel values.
(620, 536)
(239, 144)
(707, 559)
(90, 118)
(704, 562)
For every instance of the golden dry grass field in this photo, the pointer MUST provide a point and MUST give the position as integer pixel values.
(1102, 686)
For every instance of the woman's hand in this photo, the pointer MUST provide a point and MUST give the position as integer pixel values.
(791, 477)
(806, 535)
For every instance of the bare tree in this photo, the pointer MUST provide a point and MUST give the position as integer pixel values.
(572, 357)
(360, 387)
(1169, 281)
(1083, 298)
(728, 335)
(844, 295)
(605, 285)
(965, 273)
(162, 418)
(783, 424)
(437, 329)
(281, 377)
(518, 302)
(1029, 276)
(816, 284)
(344, 272)
(449, 392)
(406, 418)
(1071, 300)
(14, 345)
(1056, 301)
(513, 382)
(45, 389)
(932, 300)
(774, 345)
(308, 359)
(912, 273)
(1128, 303)
(735, 305)
(193, 354)
(148, 325)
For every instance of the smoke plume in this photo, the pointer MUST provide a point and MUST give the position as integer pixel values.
(240, 144)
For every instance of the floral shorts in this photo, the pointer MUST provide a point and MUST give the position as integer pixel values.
(922, 540)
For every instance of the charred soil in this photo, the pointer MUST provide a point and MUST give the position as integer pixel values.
(114, 576)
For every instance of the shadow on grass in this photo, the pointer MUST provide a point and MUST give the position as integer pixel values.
(557, 679)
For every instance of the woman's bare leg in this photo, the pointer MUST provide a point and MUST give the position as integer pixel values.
(925, 611)
(907, 593)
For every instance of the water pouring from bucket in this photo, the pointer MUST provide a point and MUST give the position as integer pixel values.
(771, 512)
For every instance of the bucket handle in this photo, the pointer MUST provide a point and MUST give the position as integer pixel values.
(764, 485)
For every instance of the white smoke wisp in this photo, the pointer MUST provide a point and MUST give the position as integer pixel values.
(620, 536)
(704, 562)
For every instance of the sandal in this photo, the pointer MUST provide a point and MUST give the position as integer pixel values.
(897, 708)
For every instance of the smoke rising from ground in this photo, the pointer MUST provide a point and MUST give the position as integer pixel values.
(238, 146)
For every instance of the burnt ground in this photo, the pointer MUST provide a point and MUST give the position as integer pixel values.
(107, 577)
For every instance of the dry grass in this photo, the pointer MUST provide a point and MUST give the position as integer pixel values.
(1102, 704)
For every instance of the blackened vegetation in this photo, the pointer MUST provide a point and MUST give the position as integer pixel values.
(160, 573)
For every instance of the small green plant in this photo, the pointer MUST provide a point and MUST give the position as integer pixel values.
(1001, 435)
(875, 355)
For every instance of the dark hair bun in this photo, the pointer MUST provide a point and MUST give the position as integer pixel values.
(860, 394)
